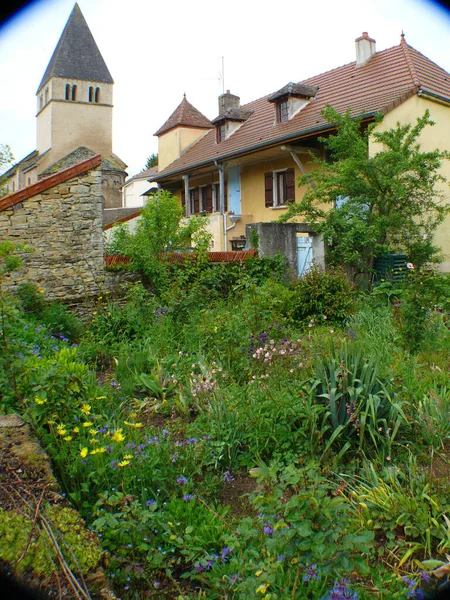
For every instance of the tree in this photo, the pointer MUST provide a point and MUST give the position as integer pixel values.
(152, 161)
(6, 160)
(366, 206)
(160, 228)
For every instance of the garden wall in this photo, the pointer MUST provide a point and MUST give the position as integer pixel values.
(60, 220)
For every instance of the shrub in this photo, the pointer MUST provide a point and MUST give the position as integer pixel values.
(363, 410)
(323, 294)
(31, 298)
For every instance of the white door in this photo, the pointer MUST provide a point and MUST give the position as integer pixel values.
(304, 254)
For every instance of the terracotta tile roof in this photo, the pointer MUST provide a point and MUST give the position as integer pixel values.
(185, 114)
(49, 182)
(388, 78)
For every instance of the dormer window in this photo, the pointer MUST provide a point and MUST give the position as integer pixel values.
(291, 99)
(221, 133)
(283, 111)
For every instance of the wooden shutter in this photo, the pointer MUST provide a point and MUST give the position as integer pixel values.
(226, 197)
(207, 199)
(290, 186)
(195, 200)
(183, 197)
(268, 189)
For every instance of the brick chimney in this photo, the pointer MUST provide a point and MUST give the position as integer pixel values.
(228, 101)
(365, 48)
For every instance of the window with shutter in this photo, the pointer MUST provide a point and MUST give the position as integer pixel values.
(208, 199)
(268, 189)
(195, 200)
(290, 186)
(183, 198)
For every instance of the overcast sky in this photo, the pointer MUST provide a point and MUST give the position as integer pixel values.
(156, 51)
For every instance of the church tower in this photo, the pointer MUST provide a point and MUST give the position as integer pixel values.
(75, 97)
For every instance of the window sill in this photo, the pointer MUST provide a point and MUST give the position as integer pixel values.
(278, 207)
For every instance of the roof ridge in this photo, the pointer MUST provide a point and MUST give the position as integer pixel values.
(409, 61)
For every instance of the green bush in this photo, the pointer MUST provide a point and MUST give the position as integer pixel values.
(363, 410)
(31, 298)
(323, 294)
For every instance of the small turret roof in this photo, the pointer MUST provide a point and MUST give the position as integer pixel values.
(185, 114)
(76, 55)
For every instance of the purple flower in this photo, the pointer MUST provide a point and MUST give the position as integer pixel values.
(225, 553)
(227, 476)
(425, 576)
(310, 573)
(268, 530)
(182, 480)
(150, 502)
(188, 497)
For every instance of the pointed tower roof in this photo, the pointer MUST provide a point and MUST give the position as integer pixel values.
(76, 55)
(185, 114)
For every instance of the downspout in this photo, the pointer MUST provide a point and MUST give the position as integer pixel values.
(222, 201)
(186, 195)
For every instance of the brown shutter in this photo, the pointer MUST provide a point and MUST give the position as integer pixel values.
(207, 198)
(226, 196)
(268, 189)
(290, 186)
(196, 200)
(183, 198)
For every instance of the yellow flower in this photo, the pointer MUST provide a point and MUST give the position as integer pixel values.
(40, 400)
(258, 573)
(86, 409)
(100, 398)
(93, 431)
(98, 450)
(118, 436)
(87, 424)
(262, 588)
(124, 463)
(128, 456)
(68, 438)
(136, 425)
(94, 441)
(61, 430)
(84, 452)
(76, 430)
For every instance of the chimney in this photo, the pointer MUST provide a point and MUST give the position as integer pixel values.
(365, 48)
(228, 101)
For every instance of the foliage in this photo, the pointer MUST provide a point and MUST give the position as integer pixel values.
(363, 410)
(152, 161)
(426, 296)
(6, 160)
(405, 508)
(323, 294)
(118, 240)
(30, 548)
(389, 201)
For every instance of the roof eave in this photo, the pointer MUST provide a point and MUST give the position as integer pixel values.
(262, 145)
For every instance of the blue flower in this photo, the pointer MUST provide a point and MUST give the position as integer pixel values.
(188, 497)
(268, 530)
(310, 573)
(225, 553)
(150, 502)
(182, 480)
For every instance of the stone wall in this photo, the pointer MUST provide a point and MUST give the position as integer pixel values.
(62, 224)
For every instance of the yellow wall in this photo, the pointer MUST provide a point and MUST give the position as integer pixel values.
(434, 137)
(173, 143)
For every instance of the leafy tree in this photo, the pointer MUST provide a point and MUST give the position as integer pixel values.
(152, 161)
(160, 229)
(366, 206)
(6, 160)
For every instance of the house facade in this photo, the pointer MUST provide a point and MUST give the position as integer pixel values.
(241, 167)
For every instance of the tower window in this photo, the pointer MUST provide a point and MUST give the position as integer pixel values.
(67, 95)
(91, 94)
(97, 94)
(74, 92)
(46, 95)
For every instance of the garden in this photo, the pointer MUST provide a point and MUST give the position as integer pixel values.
(231, 432)
(238, 434)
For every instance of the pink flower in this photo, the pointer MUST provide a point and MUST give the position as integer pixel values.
(409, 266)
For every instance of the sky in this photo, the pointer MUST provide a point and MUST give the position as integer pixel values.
(157, 51)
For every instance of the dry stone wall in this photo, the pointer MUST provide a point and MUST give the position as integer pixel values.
(63, 227)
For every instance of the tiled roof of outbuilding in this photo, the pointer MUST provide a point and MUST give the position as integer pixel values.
(387, 79)
(185, 114)
(76, 55)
